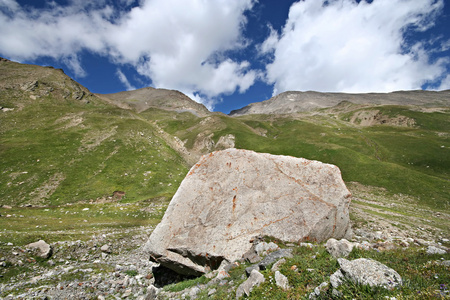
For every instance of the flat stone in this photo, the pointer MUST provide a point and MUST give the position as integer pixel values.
(435, 250)
(249, 270)
(273, 257)
(251, 256)
(367, 272)
(269, 259)
(263, 247)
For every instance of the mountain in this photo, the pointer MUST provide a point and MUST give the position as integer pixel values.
(142, 99)
(295, 102)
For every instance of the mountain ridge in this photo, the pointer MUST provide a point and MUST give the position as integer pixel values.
(295, 102)
(144, 98)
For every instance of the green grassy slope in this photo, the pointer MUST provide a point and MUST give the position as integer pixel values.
(407, 160)
(59, 150)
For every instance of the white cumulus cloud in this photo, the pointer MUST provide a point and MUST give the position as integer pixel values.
(343, 45)
(177, 44)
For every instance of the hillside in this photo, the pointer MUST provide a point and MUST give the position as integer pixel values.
(62, 144)
(295, 102)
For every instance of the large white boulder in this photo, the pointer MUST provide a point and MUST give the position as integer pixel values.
(230, 196)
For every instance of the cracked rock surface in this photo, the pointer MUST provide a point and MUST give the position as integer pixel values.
(230, 196)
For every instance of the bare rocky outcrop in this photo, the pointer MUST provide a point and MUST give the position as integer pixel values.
(230, 196)
(36, 82)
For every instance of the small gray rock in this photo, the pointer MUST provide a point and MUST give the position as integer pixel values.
(273, 257)
(281, 280)
(193, 292)
(276, 266)
(212, 292)
(307, 245)
(435, 250)
(251, 256)
(269, 259)
(45, 250)
(105, 248)
(247, 286)
(445, 263)
(249, 270)
(341, 248)
(262, 248)
(337, 278)
(222, 274)
(369, 272)
(152, 292)
(318, 290)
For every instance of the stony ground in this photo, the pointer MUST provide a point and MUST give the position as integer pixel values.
(81, 270)
(112, 263)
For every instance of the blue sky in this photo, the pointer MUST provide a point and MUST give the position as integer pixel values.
(229, 53)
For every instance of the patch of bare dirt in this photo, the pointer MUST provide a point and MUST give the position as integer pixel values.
(432, 109)
(375, 117)
(71, 120)
(95, 137)
(40, 194)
